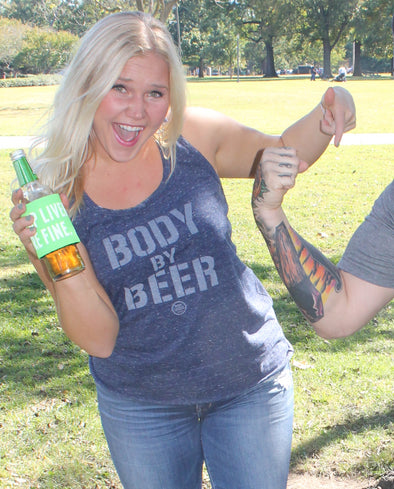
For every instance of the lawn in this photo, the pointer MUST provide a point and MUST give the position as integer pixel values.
(344, 420)
(268, 105)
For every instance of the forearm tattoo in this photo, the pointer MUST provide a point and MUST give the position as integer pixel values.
(259, 186)
(308, 275)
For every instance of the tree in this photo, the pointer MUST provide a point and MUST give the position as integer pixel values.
(158, 8)
(264, 21)
(376, 39)
(392, 59)
(204, 31)
(223, 43)
(255, 55)
(76, 16)
(44, 51)
(11, 39)
(41, 13)
(325, 21)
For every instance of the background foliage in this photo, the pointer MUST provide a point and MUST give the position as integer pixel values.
(252, 36)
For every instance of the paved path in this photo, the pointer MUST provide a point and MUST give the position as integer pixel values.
(352, 138)
(7, 142)
(11, 142)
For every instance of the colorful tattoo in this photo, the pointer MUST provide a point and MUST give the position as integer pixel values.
(259, 186)
(308, 275)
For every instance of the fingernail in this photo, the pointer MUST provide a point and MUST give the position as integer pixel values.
(29, 218)
(20, 206)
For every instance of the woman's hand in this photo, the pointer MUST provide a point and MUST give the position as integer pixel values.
(339, 113)
(23, 226)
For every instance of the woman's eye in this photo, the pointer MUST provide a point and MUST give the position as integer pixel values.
(119, 88)
(155, 94)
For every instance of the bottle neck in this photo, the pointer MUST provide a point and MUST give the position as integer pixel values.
(24, 171)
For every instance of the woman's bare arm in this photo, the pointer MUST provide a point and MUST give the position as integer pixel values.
(84, 309)
(234, 149)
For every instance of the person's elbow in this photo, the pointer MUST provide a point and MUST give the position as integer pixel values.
(101, 351)
(104, 349)
(101, 345)
(335, 328)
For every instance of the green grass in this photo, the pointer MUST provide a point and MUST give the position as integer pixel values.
(50, 434)
(344, 416)
(268, 105)
(23, 109)
(272, 105)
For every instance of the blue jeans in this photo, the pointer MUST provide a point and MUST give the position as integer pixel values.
(245, 441)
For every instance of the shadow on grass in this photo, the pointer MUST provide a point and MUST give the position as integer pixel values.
(12, 257)
(68, 474)
(338, 432)
(263, 272)
(377, 336)
(37, 359)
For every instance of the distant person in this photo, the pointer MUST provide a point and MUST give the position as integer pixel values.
(336, 300)
(313, 73)
(341, 77)
(189, 360)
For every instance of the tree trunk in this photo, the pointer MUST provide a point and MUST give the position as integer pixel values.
(326, 59)
(166, 9)
(157, 8)
(201, 67)
(357, 58)
(269, 71)
(392, 59)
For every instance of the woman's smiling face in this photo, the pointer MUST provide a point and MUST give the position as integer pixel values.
(133, 110)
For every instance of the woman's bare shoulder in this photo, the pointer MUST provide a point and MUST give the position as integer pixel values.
(200, 129)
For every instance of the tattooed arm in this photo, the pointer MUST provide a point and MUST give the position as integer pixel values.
(334, 302)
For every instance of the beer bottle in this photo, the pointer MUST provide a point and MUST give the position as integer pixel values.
(55, 239)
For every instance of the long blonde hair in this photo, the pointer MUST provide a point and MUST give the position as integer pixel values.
(102, 54)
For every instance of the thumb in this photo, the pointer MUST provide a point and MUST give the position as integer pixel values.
(303, 166)
(338, 114)
(329, 97)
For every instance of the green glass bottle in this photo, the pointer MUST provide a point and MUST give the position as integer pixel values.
(55, 239)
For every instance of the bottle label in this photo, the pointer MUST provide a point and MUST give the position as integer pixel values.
(54, 227)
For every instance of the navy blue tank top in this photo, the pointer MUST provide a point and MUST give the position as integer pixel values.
(196, 325)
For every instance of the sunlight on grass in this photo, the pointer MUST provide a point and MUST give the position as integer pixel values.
(272, 105)
(267, 105)
(24, 109)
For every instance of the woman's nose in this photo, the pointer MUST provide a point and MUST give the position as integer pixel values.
(135, 107)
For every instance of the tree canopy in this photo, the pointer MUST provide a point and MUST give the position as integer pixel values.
(262, 35)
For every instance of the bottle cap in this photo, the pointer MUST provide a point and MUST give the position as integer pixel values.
(18, 153)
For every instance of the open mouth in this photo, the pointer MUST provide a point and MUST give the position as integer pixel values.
(127, 133)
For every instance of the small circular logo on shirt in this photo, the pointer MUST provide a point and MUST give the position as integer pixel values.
(179, 308)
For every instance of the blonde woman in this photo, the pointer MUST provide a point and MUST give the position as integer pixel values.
(188, 357)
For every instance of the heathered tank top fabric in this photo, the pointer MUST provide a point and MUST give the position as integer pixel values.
(196, 325)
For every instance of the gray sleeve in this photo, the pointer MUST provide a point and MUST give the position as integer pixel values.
(370, 252)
